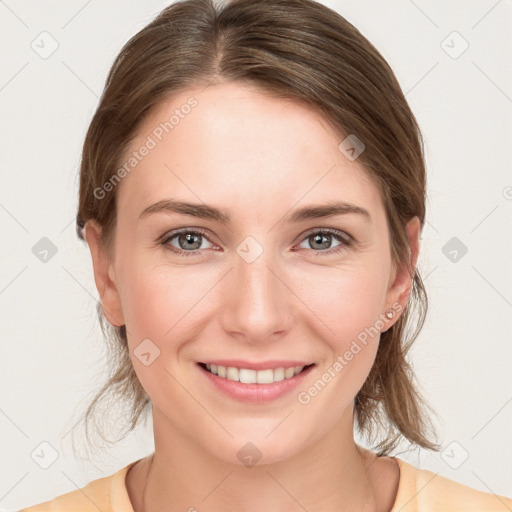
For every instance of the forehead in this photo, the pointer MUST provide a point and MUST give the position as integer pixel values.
(230, 144)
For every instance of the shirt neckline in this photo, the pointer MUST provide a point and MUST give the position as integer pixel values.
(120, 501)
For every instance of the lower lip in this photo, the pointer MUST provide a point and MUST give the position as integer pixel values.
(256, 393)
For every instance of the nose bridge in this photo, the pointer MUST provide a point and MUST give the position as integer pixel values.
(258, 306)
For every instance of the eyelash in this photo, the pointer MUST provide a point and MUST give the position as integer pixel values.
(346, 240)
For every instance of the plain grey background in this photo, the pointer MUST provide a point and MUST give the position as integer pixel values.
(452, 61)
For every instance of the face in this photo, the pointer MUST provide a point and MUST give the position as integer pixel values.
(262, 286)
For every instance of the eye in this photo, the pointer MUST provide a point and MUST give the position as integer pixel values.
(186, 239)
(322, 238)
(189, 241)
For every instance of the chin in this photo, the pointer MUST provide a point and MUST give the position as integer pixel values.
(255, 449)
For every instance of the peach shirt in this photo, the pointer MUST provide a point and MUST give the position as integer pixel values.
(419, 490)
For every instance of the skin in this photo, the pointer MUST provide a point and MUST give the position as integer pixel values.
(259, 158)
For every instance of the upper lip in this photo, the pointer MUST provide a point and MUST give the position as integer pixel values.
(264, 365)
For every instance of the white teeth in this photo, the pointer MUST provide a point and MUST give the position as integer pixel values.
(263, 376)
(247, 376)
(278, 374)
(233, 373)
(289, 372)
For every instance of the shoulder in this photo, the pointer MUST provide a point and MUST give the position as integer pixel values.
(94, 496)
(420, 489)
(107, 494)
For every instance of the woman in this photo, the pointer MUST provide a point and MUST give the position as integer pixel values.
(252, 192)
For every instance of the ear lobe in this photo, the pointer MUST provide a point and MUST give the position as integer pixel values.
(107, 289)
(400, 289)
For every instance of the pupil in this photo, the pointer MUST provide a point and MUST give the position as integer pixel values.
(189, 237)
(318, 239)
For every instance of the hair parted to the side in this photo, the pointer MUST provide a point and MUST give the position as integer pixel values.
(296, 50)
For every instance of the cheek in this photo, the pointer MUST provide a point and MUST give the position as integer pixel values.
(347, 300)
(350, 318)
(158, 302)
(158, 305)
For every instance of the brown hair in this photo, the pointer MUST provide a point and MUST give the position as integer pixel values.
(293, 49)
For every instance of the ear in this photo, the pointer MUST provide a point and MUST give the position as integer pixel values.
(402, 279)
(104, 275)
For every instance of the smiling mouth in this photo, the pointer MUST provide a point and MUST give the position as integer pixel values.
(248, 376)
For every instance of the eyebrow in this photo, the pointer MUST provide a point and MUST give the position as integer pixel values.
(204, 211)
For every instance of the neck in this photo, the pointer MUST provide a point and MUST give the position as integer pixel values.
(331, 474)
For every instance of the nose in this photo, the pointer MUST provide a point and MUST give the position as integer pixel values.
(258, 305)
